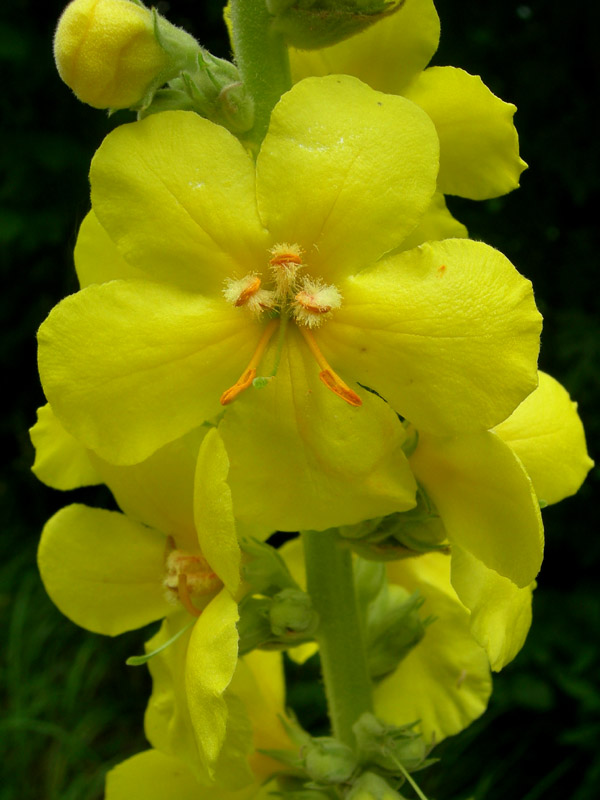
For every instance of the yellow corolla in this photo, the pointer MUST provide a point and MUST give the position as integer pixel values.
(264, 291)
(479, 148)
(487, 488)
(111, 572)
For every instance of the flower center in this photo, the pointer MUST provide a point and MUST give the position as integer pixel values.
(307, 301)
(188, 577)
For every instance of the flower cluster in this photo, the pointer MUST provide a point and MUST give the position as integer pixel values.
(290, 332)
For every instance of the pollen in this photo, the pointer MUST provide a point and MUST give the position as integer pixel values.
(314, 301)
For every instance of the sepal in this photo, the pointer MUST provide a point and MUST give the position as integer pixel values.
(401, 535)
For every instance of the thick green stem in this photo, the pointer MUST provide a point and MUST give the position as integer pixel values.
(330, 583)
(262, 59)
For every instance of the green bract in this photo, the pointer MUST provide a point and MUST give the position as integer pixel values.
(132, 364)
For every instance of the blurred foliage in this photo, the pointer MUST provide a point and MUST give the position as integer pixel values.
(70, 708)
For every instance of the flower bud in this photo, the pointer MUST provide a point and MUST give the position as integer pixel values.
(108, 53)
(328, 761)
(292, 614)
(370, 786)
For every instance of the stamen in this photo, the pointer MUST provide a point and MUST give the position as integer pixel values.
(285, 261)
(314, 302)
(184, 595)
(246, 378)
(330, 378)
(248, 291)
(283, 254)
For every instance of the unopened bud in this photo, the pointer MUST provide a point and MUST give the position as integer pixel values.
(328, 761)
(292, 613)
(371, 786)
(114, 53)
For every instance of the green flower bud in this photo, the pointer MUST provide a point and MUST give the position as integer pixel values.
(292, 613)
(394, 632)
(309, 24)
(386, 746)
(108, 51)
(400, 535)
(328, 761)
(372, 787)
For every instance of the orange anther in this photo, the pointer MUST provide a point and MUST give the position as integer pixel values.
(280, 259)
(242, 383)
(330, 378)
(248, 375)
(246, 293)
(337, 386)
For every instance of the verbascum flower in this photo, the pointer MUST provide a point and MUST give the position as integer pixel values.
(110, 573)
(108, 53)
(479, 152)
(487, 488)
(266, 294)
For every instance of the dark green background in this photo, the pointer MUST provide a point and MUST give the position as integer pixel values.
(69, 705)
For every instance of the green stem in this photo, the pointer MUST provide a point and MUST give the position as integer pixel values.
(262, 59)
(330, 583)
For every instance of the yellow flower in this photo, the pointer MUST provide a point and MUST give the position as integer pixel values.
(278, 272)
(112, 572)
(487, 488)
(106, 51)
(479, 148)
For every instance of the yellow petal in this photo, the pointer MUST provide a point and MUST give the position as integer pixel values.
(423, 328)
(209, 669)
(102, 570)
(302, 458)
(159, 491)
(500, 611)
(97, 259)
(131, 365)
(437, 223)
(192, 713)
(445, 680)
(479, 146)
(60, 460)
(259, 683)
(176, 194)
(327, 182)
(213, 511)
(485, 500)
(152, 775)
(386, 55)
(546, 433)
